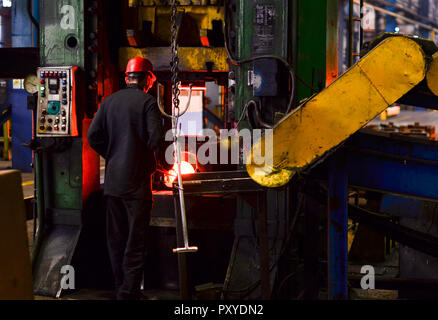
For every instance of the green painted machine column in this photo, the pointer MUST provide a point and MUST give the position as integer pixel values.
(62, 33)
(262, 29)
(305, 34)
(67, 170)
(314, 44)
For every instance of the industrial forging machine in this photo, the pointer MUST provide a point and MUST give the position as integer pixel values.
(274, 66)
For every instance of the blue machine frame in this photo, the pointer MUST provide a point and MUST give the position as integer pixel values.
(375, 161)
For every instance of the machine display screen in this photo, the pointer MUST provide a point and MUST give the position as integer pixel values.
(53, 85)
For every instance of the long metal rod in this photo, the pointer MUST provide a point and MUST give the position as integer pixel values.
(182, 258)
(361, 25)
(350, 33)
(180, 188)
(175, 117)
(33, 20)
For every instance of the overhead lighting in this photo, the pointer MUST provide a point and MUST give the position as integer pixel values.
(7, 3)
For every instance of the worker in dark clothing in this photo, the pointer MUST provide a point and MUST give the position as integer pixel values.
(127, 132)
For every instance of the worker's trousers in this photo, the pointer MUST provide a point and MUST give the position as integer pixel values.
(127, 230)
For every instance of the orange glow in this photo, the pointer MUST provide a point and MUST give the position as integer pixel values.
(205, 42)
(193, 88)
(186, 168)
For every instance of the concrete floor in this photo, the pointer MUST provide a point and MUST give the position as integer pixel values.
(26, 178)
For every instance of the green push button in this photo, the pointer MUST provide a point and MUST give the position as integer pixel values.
(53, 107)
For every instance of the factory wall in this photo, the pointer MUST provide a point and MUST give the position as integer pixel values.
(385, 23)
(23, 35)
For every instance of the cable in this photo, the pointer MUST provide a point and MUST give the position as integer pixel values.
(306, 84)
(243, 61)
(282, 283)
(258, 115)
(251, 287)
(241, 116)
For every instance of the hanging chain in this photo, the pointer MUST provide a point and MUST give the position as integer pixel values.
(175, 60)
(176, 115)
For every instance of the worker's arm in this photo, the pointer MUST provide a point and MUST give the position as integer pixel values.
(156, 135)
(96, 133)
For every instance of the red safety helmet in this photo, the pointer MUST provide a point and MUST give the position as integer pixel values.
(139, 64)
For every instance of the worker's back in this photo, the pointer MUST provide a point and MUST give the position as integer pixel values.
(128, 126)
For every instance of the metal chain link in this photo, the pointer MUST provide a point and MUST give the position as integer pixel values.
(176, 115)
(175, 60)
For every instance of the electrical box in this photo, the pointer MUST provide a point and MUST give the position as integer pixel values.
(262, 28)
(56, 110)
(265, 78)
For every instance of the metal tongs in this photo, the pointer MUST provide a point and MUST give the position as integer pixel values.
(175, 115)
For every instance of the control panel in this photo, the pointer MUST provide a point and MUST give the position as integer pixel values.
(56, 105)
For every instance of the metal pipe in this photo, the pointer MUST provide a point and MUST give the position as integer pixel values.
(36, 15)
(350, 32)
(175, 116)
(32, 18)
(181, 194)
(361, 25)
(177, 149)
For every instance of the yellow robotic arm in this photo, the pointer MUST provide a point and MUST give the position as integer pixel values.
(379, 79)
